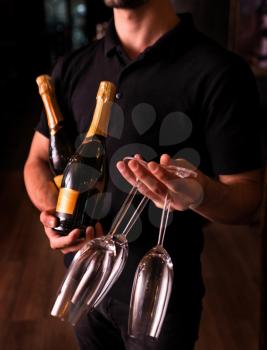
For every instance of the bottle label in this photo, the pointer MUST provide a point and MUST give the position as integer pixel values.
(67, 200)
(58, 180)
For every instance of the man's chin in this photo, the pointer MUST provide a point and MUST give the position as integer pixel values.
(125, 4)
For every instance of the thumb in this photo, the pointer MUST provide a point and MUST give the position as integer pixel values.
(48, 219)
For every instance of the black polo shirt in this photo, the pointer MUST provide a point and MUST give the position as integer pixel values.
(185, 96)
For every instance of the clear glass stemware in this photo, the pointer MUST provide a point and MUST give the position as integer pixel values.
(152, 287)
(99, 263)
(153, 279)
(93, 259)
(83, 302)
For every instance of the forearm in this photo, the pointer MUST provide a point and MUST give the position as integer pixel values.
(229, 203)
(39, 184)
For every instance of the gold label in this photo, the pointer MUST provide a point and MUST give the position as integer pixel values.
(58, 180)
(67, 200)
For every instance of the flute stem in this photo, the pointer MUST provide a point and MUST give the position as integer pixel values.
(123, 210)
(164, 221)
(135, 216)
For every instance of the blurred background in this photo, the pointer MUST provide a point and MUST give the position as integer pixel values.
(33, 35)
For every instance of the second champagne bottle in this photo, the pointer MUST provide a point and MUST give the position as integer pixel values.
(60, 145)
(86, 174)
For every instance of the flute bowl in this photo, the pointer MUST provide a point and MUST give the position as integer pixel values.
(98, 270)
(119, 262)
(150, 294)
(75, 272)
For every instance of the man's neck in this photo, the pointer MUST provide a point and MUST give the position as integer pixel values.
(140, 28)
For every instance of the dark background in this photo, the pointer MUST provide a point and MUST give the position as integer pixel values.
(29, 46)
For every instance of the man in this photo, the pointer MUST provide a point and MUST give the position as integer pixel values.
(180, 95)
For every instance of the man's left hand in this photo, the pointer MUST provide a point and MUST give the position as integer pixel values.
(155, 181)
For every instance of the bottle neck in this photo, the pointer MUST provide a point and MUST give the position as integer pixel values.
(53, 114)
(100, 121)
(47, 93)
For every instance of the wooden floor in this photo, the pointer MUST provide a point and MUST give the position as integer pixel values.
(30, 274)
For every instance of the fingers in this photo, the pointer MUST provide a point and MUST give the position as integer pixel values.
(145, 191)
(146, 178)
(90, 233)
(48, 219)
(99, 232)
(126, 173)
(61, 242)
(165, 159)
(147, 184)
(185, 192)
(74, 248)
(138, 156)
(155, 181)
(168, 178)
(71, 242)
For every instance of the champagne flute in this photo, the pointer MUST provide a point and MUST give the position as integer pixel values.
(152, 287)
(87, 258)
(154, 278)
(121, 245)
(84, 303)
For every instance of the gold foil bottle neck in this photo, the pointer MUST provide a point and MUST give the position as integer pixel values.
(106, 91)
(47, 93)
(105, 97)
(45, 84)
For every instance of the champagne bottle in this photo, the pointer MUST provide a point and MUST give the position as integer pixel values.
(60, 148)
(85, 176)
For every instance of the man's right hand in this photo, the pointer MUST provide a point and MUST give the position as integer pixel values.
(70, 243)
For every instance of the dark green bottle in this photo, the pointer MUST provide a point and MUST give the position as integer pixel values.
(60, 147)
(86, 174)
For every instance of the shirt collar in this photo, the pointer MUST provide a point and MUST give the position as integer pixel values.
(181, 31)
(111, 41)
